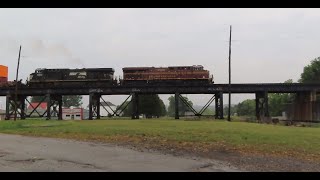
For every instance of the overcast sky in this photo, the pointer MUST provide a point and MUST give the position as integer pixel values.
(269, 45)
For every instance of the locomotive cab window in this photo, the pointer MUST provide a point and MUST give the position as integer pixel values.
(78, 74)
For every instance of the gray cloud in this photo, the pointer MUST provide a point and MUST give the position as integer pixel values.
(51, 51)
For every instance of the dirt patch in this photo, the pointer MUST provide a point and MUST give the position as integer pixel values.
(244, 160)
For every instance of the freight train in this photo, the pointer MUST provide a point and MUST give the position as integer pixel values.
(4, 76)
(104, 77)
(4, 83)
(172, 75)
(86, 77)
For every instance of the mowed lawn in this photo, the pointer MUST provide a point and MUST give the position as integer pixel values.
(202, 136)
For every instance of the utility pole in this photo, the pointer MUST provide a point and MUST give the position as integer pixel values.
(16, 90)
(229, 110)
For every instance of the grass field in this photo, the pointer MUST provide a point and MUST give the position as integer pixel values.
(201, 136)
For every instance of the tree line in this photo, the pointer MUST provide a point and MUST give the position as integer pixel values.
(152, 106)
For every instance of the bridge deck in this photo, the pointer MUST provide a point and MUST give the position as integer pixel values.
(207, 89)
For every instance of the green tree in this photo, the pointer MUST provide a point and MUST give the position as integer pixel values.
(278, 102)
(149, 105)
(288, 81)
(163, 109)
(73, 100)
(311, 72)
(182, 107)
(126, 109)
(208, 111)
(246, 108)
(233, 110)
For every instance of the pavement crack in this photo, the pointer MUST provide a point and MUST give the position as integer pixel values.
(205, 166)
(79, 163)
(25, 160)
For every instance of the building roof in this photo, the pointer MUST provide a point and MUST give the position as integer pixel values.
(43, 105)
(107, 102)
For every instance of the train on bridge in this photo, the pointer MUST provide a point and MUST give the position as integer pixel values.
(55, 83)
(104, 77)
(87, 77)
(195, 75)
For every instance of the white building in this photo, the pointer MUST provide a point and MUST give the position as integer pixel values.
(106, 105)
(2, 114)
(72, 114)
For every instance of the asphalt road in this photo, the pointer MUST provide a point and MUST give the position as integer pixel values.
(36, 154)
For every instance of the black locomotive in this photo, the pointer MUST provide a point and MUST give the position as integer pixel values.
(86, 77)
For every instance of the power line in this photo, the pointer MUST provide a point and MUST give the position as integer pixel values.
(229, 110)
(16, 90)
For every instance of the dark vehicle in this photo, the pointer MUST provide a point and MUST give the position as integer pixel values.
(3, 80)
(5, 83)
(86, 77)
(191, 75)
(10, 84)
(3, 75)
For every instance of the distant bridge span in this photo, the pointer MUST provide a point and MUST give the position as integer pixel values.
(306, 97)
